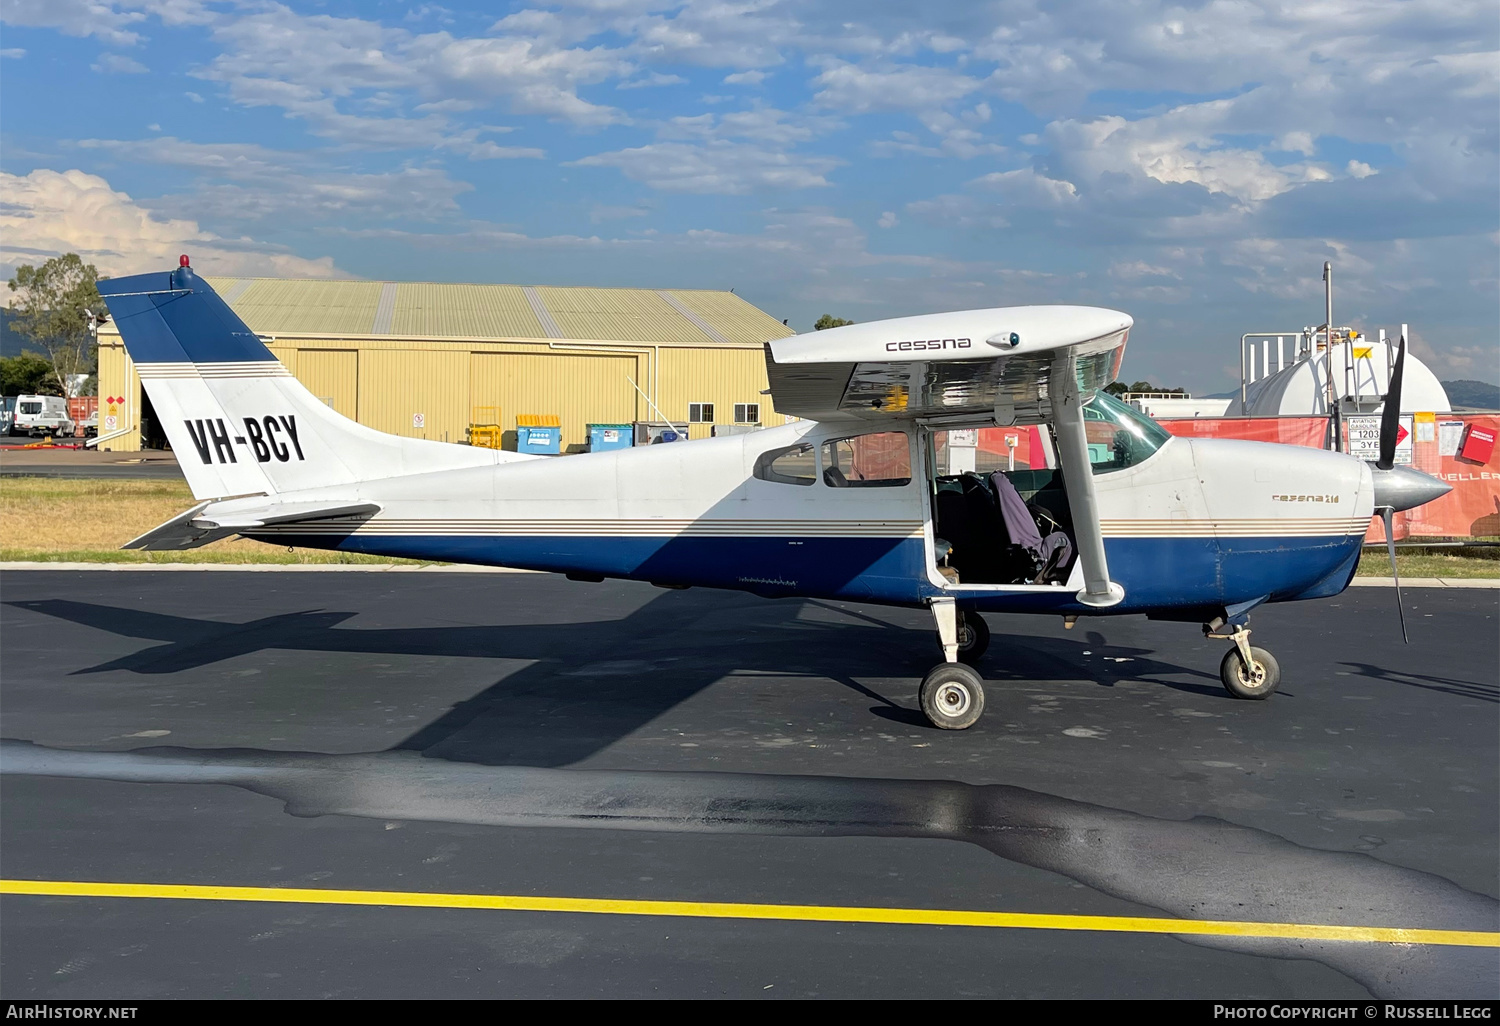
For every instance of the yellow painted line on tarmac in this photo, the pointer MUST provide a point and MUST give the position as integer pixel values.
(738, 910)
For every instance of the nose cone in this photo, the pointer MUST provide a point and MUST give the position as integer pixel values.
(1405, 488)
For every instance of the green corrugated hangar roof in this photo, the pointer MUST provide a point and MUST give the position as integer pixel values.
(298, 306)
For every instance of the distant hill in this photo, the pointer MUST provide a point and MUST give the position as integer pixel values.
(12, 341)
(1476, 395)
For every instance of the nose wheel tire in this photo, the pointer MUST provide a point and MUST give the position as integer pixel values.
(1258, 681)
(973, 637)
(952, 696)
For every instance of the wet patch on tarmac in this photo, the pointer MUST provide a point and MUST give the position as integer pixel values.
(1200, 869)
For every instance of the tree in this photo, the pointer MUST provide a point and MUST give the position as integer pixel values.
(57, 305)
(830, 321)
(1120, 388)
(27, 374)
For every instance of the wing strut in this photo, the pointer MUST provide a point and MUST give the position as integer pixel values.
(1078, 479)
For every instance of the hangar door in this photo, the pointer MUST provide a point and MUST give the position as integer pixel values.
(332, 375)
(580, 390)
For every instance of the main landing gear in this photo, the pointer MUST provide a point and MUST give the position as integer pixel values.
(952, 693)
(1246, 672)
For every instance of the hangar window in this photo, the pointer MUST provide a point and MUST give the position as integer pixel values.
(700, 413)
(747, 413)
(793, 465)
(879, 460)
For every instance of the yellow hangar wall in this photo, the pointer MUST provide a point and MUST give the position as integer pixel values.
(435, 388)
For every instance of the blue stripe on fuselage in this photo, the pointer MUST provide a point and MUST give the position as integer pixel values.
(1157, 573)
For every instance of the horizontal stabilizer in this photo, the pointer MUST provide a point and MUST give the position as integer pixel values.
(244, 519)
(176, 534)
(200, 525)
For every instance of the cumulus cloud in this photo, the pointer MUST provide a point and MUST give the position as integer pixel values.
(716, 167)
(858, 89)
(239, 182)
(1133, 270)
(652, 80)
(309, 65)
(48, 213)
(768, 125)
(115, 22)
(105, 21)
(118, 64)
(1180, 147)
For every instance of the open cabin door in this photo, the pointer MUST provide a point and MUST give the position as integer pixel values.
(998, 508)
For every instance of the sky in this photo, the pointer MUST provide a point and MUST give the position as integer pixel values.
(1193, 164)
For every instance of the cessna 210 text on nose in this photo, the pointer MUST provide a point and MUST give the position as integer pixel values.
(846, 503)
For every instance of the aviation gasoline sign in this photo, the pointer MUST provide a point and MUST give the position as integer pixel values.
(1364, 438)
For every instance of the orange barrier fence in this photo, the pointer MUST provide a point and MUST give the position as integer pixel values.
(1471, 510)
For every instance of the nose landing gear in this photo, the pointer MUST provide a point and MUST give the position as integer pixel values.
(973, 637)
(1246, 671)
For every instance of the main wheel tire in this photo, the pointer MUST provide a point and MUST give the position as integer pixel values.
(1257, 682)
(973, 638)
(952, 696)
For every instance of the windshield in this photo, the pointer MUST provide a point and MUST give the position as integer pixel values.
(1119, 436)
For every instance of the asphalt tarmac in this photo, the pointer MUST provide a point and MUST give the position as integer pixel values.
(19, 459)
(523, 736)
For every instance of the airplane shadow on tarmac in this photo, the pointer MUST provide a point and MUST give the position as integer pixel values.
(590, 684)
(493, 760)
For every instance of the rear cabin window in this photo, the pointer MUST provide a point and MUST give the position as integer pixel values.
(31, 407)
(880, 460)
(794, 465)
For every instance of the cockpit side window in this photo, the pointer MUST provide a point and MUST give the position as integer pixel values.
(1119, 436)
(793, 465)
(878, 460)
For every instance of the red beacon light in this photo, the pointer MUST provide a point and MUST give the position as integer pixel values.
(182, 261)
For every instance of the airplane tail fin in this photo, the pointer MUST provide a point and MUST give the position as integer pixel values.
(237, 419)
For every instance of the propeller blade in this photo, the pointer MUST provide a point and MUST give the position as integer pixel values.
(1387, 514)
(1390, 416)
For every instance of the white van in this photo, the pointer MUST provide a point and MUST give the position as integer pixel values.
(39, 415)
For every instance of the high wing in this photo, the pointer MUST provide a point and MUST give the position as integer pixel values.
(210, 521)
(968, 362)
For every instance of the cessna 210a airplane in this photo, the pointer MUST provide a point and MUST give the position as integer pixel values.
(846, 503)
